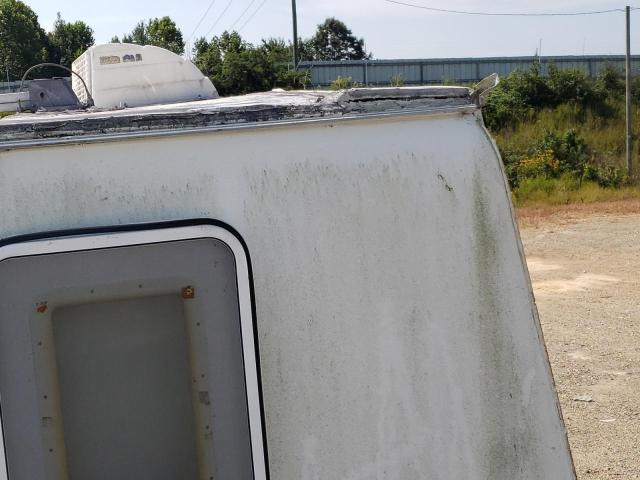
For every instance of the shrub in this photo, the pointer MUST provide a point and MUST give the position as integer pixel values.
(610, 82)
(504, 109)
(294, 79)
(562, 130)
(606, 176)
(396, 81)
(570, 85)
(541, 164)
(342, 83)
(524, 93)
(516, 97)
(570, 150)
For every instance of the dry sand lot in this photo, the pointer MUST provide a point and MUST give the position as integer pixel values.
(584, 262)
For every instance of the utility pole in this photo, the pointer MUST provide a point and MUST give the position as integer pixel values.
(628, 95)
(295, 34)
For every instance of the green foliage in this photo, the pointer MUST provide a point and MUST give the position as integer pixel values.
(293, 79)
(609, 82)
(524, 92)
(540, 164)
(305, 50)
(513, 99)
(569, 85)
(606, 176)
(333, 40)
(342, 83)
(566, 189)
(236, 66)
(570, 150)
(559, 132)
(137, 35)
(396, 81)
(23, 43)
(69, 40)
(555, 155)
(277, 50)
(161, 32)
(542, 189)
(635, 89)
(279, 53)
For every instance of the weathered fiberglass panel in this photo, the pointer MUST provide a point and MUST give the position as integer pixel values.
(397, 330)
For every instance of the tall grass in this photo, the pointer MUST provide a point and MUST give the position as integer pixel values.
(605, 136)
(565, 190)
(562, 135)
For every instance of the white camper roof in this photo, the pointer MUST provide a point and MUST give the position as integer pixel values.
(252, 109)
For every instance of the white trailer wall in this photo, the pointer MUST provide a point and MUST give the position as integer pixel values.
(397, 332)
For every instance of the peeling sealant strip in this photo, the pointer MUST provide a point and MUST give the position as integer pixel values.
(115, 137)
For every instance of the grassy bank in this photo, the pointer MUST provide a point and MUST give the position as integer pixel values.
(538, 180)
(603, 136)
(538, 192)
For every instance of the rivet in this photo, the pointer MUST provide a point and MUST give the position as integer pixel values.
(188, 292)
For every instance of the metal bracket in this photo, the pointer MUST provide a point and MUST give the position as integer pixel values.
(483, 87)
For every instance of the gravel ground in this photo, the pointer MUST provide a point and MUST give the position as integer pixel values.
(585, 270)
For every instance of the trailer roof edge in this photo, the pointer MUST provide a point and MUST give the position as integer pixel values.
(171, 132)
(254, 110)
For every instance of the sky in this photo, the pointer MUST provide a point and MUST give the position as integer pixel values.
(390, 31)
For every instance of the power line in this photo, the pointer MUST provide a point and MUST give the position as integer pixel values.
(201, 20)
(496, 14)
(219, 18)
(252, 15)
(242, 14)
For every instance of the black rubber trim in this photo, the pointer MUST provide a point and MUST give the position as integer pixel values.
(135, 227)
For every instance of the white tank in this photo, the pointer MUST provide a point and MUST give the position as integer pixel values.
(122, 75)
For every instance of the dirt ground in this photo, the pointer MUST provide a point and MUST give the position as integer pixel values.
(585, 262)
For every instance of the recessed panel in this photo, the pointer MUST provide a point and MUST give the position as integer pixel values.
(129, 361)
(124, 382)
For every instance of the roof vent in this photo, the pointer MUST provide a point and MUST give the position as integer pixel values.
(127, 75)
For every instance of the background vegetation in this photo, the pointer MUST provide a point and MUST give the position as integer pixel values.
(561, 135)
(23, 43)
(234, 65)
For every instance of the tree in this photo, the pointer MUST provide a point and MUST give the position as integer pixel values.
(234, 65)
(279, 53)
(69, 40)
(138, 35)
(23, 43)
(161, 32)
(277, 50)
(334, 41)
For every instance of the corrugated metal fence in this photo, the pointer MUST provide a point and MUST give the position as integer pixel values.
(7, 87)
(451, 70)
(430, 71)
